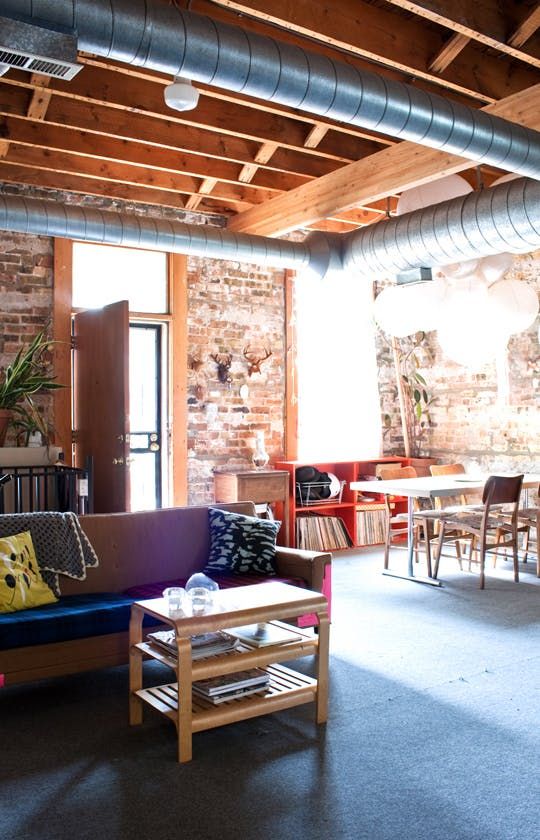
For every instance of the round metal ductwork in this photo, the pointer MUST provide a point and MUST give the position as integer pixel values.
(49, 218)
(158, 35)
(505, 218)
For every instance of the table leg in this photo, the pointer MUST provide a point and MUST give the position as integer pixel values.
(183, 722)
(410, 552)
(135, 666)
(323, 651)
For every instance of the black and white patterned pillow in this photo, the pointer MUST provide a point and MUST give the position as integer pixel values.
(240, 544)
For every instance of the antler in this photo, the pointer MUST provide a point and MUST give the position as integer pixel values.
(223, 362)
(254, 361)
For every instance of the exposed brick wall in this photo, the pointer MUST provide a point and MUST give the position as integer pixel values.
(26, 294)
(230, 306)
(468, 423)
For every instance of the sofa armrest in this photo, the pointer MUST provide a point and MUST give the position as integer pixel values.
(311, 566)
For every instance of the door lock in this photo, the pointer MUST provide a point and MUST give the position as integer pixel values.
(154, 447)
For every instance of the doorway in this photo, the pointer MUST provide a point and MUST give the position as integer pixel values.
(146, 441)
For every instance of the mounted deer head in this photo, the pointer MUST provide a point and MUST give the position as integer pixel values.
(254, 361)
(223, 362)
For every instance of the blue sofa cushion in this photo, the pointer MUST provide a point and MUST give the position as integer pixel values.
(72, 617)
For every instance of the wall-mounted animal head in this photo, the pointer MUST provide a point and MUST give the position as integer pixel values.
(254, 361)
(223, 362)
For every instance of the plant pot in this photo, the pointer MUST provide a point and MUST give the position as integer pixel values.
(5, 419)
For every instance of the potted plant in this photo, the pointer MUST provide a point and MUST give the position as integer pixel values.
(28, 375)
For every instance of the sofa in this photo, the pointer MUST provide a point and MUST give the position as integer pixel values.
(139, 555)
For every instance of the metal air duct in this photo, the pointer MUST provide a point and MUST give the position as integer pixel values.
(158, 35)
(49, 218)
(504, 218)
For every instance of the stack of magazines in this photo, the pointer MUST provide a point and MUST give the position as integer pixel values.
(231, 686)
(206, 644)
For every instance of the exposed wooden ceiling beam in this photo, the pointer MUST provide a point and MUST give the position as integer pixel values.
(57, 138)
(118, 92)
(451, 49)
(382, 36)
(526, 28)
(315, 136)
(400, 167)
(485, 21)
(98, 122)
(41, 97)
(139, 177)
(221, 110)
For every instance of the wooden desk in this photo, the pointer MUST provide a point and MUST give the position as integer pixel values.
(258, 486)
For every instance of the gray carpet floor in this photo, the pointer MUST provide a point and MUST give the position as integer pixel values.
(433, 732)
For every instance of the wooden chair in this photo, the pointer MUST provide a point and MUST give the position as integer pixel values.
(450, 504)
(396, 524)
(527, 518)
(487, 523)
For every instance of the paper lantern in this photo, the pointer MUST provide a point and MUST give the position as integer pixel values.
(466, 334)
(494, 267)
(513, 305)
(452, 186)
(405, 310)
(461, 269)
(395, 313)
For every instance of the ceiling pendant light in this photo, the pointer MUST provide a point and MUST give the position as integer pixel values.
(181, 95)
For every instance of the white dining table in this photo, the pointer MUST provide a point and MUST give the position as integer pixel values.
(430, 487)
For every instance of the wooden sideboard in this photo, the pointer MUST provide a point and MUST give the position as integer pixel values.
(258, 486)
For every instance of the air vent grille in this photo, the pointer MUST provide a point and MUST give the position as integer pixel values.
(38, 49)
(36, 64)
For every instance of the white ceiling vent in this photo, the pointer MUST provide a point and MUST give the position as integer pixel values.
(37, 49)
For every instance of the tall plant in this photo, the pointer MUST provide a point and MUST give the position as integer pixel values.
(28, 375)
(414, 397)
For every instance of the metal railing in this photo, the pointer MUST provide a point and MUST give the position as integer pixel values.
(52, 487)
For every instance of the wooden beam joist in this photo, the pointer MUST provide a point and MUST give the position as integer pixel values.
(484, 21)
(401, 167)
(526, 28)
(455, 44)
(370, 32)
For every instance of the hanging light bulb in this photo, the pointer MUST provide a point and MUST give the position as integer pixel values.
(181, 95)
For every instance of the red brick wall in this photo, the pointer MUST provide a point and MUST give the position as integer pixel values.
(26, 290)
(231, 305)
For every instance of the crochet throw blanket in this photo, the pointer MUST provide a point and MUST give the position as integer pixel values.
(62, 547)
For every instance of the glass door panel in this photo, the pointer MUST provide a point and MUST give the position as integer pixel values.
(145, 395)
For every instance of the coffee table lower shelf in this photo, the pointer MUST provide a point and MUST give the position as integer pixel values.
(287, 688)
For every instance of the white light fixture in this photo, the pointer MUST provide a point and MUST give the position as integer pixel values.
(181, 95)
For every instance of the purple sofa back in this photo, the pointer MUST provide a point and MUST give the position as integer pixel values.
(143, 547)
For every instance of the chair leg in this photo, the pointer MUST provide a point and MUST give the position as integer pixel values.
(428, 547)
(387, 546)
(458, 554)
(439, 551)
(525, 546)
(516, 561)
(482, 566)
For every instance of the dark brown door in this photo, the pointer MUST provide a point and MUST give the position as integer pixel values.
(101, 402)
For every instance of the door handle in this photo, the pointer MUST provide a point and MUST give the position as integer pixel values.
(118, 461)
(154, 447)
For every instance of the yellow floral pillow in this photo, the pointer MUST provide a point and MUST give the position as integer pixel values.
(21, 584)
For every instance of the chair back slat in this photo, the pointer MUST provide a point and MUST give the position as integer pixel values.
(393, 472)
(447, 469)
(500, 489)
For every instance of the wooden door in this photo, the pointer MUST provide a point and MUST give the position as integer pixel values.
(101, 402)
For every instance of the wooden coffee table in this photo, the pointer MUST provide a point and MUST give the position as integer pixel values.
(234, 608)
